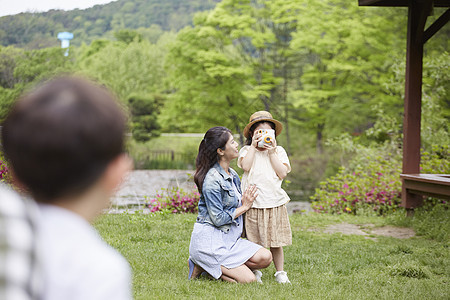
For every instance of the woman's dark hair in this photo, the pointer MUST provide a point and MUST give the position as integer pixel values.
(248, 141)
(215, 138)
(60, 138)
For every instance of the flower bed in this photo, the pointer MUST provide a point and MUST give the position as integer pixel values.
(175, 200)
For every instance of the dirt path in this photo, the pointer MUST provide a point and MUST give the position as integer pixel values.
(368, 230)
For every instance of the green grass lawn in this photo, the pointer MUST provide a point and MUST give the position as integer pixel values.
(319, 265)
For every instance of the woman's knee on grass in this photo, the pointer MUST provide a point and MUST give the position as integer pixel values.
(247, 278)
(241, 274)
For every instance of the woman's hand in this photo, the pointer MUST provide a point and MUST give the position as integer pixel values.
(249, 196)
(247, 199)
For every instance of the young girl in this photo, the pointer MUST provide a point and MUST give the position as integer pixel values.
(266, 165)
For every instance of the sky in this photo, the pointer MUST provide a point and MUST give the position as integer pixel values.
(12, 7)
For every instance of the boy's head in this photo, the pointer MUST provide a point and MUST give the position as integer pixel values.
(60, 138)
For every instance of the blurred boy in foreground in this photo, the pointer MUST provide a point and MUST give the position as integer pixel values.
(65, 145)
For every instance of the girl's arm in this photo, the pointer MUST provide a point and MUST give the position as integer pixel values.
(279, 168)
(247, 160)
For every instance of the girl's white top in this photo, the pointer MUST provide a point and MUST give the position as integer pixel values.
(262, 174)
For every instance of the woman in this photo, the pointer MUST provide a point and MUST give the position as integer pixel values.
(216, 244)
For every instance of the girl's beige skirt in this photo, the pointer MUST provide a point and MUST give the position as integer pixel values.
(268, 227)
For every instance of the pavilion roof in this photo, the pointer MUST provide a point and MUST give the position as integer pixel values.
(401, 3)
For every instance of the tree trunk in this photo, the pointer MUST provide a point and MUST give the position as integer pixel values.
(286, 109)
(241, 136)
(262, 61)
(319, 146)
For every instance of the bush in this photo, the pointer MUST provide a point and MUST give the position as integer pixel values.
(176, 201)
(4, 173)
(373, 185)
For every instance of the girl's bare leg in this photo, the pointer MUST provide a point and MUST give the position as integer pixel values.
(278, 258)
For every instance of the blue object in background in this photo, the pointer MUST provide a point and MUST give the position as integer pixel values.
(65, 38)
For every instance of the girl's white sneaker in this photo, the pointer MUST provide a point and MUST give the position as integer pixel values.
(281, 277)
(258, 275)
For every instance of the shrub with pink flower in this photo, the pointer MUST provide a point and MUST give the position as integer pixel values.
(175, 200)
(375, 186)
(3, 170)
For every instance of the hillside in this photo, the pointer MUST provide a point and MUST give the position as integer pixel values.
(39, 30)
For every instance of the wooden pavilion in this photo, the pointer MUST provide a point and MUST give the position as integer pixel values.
(414, 184)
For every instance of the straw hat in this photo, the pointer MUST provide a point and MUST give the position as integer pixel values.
(262, 116)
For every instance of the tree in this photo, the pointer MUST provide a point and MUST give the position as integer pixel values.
(136, 67)
(144, 111)
(8, 58)
(42, 64)
(20, 69)
(208, 79)
(127, 36)
(133, 69)
(350, 52)
(256, 34)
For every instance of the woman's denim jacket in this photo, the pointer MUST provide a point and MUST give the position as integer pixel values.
(218, 202)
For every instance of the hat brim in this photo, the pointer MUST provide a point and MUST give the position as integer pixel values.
(278, 126)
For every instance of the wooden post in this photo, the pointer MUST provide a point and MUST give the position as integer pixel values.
(417, 16)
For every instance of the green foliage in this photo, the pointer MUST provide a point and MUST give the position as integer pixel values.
(319, 265)
(7, 98)
(371, 184)
(410, 270)
(309, 169)
(435, 98)
(8, 60)
(127, 36)
(373, 187)
(234, 61)
(207, 77)
(4, 171)
(150, 163)
(144, 112)
(158, 152)
(433, 223)
(42, 64)
(369, 181)
(134, 68)
(22, 69)
(346, 65)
